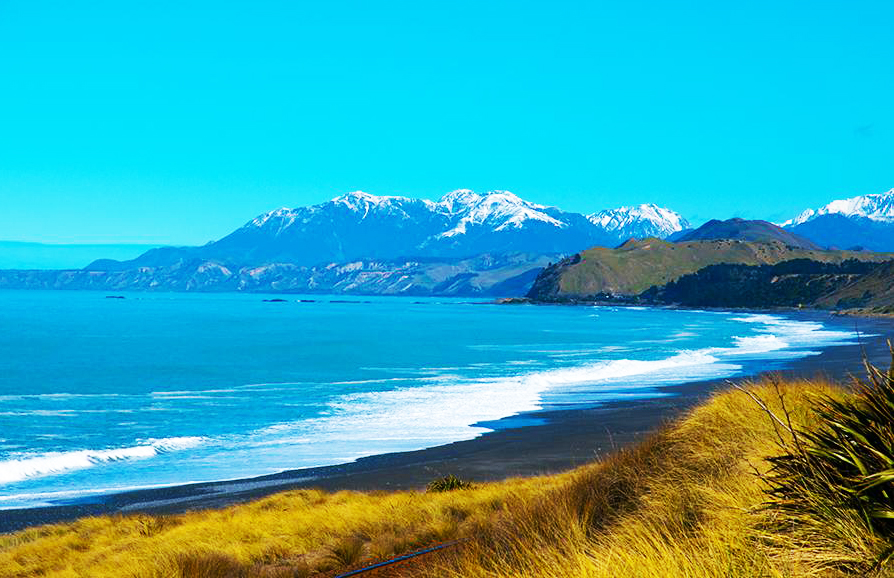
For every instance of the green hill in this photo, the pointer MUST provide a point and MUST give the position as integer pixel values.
(638, 265)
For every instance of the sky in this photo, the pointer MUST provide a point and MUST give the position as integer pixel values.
(177, 122)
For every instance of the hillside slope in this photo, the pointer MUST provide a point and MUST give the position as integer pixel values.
(872, 293)
(794, 283)
(835, 230)
(638, 265)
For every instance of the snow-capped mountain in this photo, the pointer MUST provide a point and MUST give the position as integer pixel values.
(876, 207)
(640, 221)
(497, 210)
(460, 224)
(866, 221)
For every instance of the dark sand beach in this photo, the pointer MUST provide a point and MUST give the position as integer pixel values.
(540, 443)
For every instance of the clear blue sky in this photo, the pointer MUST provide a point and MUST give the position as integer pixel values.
(175, 122)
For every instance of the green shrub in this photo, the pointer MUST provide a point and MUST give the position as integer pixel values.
(448, 484)
(839, 474)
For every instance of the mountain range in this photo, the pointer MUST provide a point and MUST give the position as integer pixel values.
(465, 243)
(461, 224)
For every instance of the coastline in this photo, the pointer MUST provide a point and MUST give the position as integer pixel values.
(542, 442)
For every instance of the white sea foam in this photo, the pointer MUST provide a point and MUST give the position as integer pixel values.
(682, 334)
(797, 334)
(40, 413)
(367, 381)
(415, 417)
(55, 396)
(189, 392)
(756, 344)
(52, 463)
(449, 408)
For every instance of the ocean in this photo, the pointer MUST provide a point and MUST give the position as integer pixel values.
(99, 395)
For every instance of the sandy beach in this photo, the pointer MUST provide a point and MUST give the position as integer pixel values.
(538, 443)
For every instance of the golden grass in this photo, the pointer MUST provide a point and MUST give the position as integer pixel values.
(686, 502)
(299, 529)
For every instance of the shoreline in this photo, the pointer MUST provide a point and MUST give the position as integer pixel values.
(859, 313)
(541, 442)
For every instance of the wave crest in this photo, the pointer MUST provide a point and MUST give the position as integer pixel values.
(53, 463)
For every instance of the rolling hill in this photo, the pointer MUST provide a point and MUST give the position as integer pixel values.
(744, 230)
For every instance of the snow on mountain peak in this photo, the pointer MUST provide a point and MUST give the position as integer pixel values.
(876, 207)
(461, 211)
(361, 200)
(459, 197)
(499, 209)
(281, 214)
(646, 220)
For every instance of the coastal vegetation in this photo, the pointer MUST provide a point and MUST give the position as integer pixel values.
(771, 478)
(795, 283)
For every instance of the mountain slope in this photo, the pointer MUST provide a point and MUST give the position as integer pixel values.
(638, 265)
(355, 225)
(865, 221)
(500, 221)
(743, 230)
(839, 231)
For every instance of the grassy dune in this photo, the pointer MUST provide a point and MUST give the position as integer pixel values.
(689, 501)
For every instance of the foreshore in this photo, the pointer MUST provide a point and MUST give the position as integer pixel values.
(539, 443)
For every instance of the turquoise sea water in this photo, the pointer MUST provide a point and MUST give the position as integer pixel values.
(99, 395)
